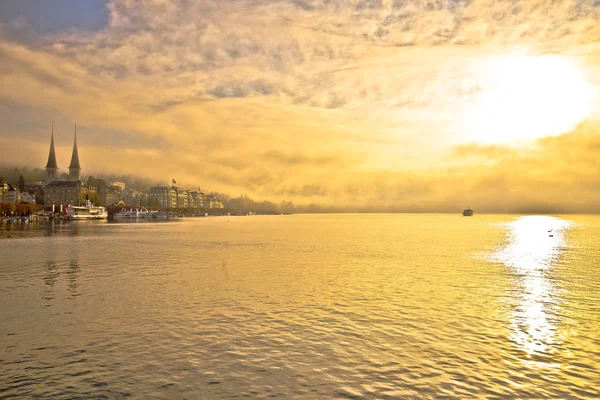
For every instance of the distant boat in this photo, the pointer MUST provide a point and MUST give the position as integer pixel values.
(468, 212)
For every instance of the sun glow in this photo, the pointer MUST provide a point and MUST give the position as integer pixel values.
(525, 98)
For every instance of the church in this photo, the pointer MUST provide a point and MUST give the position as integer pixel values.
(64, 189)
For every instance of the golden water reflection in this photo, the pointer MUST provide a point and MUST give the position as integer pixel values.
(534, 246)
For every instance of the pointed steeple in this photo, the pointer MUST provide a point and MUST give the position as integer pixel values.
(51, 165)
(75, 168)
(52, 156)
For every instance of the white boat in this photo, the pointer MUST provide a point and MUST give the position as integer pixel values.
(121, 215)
(142, 213)
(88, 211)
(132, 214)
(158, 215)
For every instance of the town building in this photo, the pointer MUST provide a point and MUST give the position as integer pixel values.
(132, 198)
(196, 199)
(28, 197)
(68, 192)
(164, 196)
(119, 185)
(214, 203)
(36, 190)
(110, 195)
(4, 187)
(13, 195)
(182, 198)
(66, 189)
(52, 166)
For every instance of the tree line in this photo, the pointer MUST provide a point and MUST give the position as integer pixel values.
(18, 209)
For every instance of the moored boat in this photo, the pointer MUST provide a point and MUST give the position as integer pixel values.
(158, 215)
(133, 214)
(88, 211)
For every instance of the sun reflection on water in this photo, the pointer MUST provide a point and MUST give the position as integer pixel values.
(534, 246)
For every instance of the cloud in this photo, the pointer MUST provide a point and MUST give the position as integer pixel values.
(345, 102)
(297, 159)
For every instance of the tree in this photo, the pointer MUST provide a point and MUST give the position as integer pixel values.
(313, 208)
(266, 207)
(22, 209)
(97, 183)
(286, 207)
(92, 196)
(21, 183)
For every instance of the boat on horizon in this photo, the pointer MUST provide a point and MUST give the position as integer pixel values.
(468, 212)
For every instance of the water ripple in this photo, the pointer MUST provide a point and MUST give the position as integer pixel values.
(305, 307)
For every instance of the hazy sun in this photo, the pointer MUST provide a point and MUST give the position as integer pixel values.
(525, 98)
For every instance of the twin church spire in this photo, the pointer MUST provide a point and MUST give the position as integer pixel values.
(52, 156)
(74, 168)
(52, 165)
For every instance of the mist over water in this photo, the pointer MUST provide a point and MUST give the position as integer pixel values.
(303, 306)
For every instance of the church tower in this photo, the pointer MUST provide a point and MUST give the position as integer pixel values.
(74, 168)
(51, 165)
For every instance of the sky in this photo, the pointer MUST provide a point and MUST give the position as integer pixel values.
(391, 105)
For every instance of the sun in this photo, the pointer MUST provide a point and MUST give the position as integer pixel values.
(524, 98)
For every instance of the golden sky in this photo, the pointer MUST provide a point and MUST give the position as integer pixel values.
(396, 105)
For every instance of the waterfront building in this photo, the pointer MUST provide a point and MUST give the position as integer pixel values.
(131, 198)
(214, 203)
(13, 195)
(119, 185)
(37, 192)
(66, 189)
(67, 192)
(28, 197)
(166, 196)
(110, 195)
(4, 187)
(196, 199)
(52, 166)
(182, 198)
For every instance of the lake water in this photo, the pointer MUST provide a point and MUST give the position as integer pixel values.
(303, 306)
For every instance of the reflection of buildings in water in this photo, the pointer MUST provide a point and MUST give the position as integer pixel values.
(50, 278)
(534, 246)
(16, 226)
(53, 271)
(72, 273)
(49, 228)
(68, 270)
